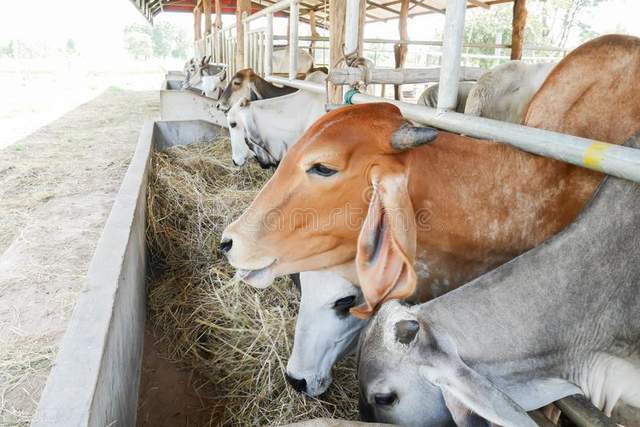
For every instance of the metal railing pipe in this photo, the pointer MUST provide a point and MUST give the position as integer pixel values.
(297, 84)
(582, 412)
(616, 160)
(431, 43)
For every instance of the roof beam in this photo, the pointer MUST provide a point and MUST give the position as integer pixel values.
(479, 3)
(381, 6)
(142, 8)
(421, 3)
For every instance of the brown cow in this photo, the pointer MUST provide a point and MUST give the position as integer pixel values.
(440, 214)
(247, 84)
(593, 92)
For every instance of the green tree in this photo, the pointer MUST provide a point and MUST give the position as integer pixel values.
(139, 44)
(181, 45)
(162, 37)
(8, 50)
(161, 40)
(70, 48)
(549, 23)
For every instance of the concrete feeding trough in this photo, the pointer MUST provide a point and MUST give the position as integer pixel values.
(96, 375)
(187, 104)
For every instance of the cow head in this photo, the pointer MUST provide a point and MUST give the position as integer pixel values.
(213, 84)
(246, 141)
(391, 390)
(324, 330)
(339, 199)
(241, 85)
(189, 66)
(410, 373)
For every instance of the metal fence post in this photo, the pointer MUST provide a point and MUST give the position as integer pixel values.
(245, 39)
(268, 48)
(293, 39)
(451, 53)
(352, 18)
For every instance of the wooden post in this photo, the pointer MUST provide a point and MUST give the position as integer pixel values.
(243, 6)
(218, 22)
(337, 12)
(206, 5)
(401, 48)
(197, 23)
(518, 28)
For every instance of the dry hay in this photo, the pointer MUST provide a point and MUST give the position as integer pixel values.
(238, 337)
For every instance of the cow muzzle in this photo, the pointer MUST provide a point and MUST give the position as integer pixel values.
(222, 107)
(311, 385)
(251, 267)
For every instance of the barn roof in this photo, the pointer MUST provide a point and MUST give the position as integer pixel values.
(377, 10)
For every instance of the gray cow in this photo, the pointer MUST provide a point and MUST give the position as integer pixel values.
(561, 319)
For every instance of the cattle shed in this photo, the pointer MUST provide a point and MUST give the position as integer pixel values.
(104, 342)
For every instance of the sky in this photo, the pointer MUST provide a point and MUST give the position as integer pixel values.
(98, 30)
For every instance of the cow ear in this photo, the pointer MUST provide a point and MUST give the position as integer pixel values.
(256, 88)
(386, 245)
(463, 387)
(463, 416)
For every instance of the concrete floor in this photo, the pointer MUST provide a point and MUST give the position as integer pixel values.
(57, 186)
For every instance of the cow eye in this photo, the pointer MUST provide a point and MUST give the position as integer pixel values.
(233, 124)
(385, 399)
(345, 303)
(236, 83)
(322, 170)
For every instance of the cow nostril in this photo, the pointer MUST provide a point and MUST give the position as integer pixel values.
(225, 245)
(298, 385)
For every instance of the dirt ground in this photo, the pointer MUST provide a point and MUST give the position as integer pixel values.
(171, 395)
(57, 186)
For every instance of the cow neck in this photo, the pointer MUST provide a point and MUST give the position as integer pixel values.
(264, 89)
(479, 204)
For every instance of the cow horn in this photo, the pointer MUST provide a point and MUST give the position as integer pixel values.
(408, 136)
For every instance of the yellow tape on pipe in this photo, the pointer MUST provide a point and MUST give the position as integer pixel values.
(594, 155)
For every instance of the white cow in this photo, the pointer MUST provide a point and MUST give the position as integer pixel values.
(504, 92)
(280, 63)
(325, 330)
(208, 79)
(267, 128)
(213, 86)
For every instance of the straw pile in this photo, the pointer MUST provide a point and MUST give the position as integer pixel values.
(236, 337)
